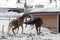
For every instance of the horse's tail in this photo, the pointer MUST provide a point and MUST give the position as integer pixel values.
(10, 25)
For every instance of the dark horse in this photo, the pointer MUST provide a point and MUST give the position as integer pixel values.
(38, 22)
(18, 22)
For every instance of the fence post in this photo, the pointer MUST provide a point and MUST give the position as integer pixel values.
(9, 18)
(2, 29)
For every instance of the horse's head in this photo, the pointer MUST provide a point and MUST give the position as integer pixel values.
(26, 15)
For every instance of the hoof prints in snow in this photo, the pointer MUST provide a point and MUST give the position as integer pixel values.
(27, 37)
(19, 36)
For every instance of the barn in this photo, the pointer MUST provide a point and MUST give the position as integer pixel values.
(50, 17)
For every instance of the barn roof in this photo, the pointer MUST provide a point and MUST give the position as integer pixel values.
(53, 10)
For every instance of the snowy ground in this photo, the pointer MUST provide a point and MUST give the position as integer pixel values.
(29, 33)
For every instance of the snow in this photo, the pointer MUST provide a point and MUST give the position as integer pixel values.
(53, 4)
(52, 9)
(29, 32)
(37, 2)
(10, 14)
(10, 4)
(14, 4)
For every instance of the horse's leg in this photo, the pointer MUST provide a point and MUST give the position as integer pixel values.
(9, 28)
(13, 30)
(22, 28)
(26, 24)
(17, 30)
(39, 29)
(36, 28)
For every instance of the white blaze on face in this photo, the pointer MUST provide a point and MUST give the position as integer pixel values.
(28, 19)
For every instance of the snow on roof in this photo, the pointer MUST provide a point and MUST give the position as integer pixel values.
(55, 9)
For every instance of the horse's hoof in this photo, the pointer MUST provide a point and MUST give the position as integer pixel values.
(23, 33)
(10, 35)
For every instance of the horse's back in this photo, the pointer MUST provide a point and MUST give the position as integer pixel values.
(14, 22)
(38, 21)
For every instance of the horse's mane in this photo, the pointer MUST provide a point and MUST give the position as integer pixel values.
(22, 16)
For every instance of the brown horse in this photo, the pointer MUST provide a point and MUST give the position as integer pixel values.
(38, 22)
(18, 22)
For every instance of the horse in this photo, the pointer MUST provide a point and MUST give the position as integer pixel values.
(37, 22)
(18, 22)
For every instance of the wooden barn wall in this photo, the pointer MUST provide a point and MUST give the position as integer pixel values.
(49, 20)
